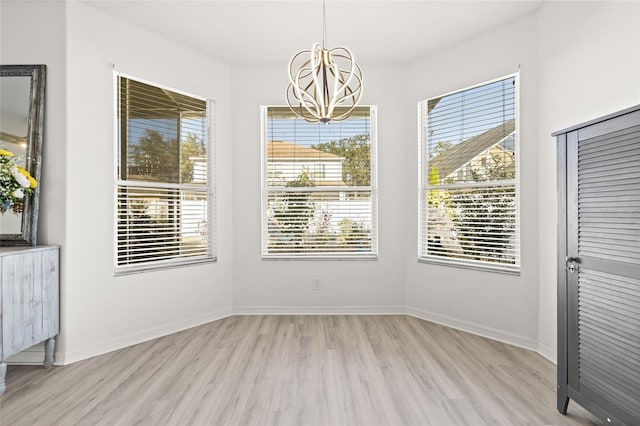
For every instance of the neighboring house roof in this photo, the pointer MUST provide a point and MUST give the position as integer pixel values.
(458, 155)
(282, 150)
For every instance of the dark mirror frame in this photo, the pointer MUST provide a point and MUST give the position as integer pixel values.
(35, 135)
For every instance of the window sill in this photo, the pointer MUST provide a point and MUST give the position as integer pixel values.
(476, 266)
(159, 266)
(335, 257)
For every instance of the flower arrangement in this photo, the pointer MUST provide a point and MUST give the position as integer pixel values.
(15, 183)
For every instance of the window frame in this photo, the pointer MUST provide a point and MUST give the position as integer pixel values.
(209, 190)
(423, 186)
(373, 188)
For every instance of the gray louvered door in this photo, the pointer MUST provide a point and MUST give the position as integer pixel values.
(603, 282)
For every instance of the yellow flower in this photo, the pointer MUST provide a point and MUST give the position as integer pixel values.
(6, 153)
(33, 182)
(24, 171)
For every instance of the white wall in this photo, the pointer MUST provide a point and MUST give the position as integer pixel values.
(43, 43)
(578, 60)
(503, 307)
(104, 312)
(589, 62)
(346, 286)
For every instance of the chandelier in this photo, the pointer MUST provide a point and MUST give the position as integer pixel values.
(324, 84)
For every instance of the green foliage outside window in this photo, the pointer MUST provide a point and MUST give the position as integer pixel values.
(356, 151)
(162, 159)
(481, 219)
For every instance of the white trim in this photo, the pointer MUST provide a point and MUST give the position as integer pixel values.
(35, 355)
(473, 86)
(517, 135)
(320, 189)
(470, 264)
(161, 265)
(321, 310)
(155, 185)
(335, 257)
(471, 185)
(264, 215)
(507, 337)
(143, 336)
(212, 182)
(375, 188)
(548, 352)
(161, 86)
(116, 158)
(422, 108)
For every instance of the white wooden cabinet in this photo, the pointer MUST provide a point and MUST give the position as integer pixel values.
(29, 302)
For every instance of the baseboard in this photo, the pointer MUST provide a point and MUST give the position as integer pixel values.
(143, 336)
(35, 355)
(320, 310)
(548, 352)
(473, 328)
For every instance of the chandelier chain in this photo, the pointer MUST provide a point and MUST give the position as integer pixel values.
(324, 23)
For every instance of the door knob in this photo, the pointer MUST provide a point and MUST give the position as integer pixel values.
(571, 264)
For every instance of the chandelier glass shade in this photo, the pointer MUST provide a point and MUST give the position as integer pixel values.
(324, 84)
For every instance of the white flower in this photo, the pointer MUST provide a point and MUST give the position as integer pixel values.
(18, 193)
(20, 178)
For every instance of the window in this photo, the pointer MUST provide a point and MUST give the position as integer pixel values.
(319, 186)
(163, 187)
(469, 192)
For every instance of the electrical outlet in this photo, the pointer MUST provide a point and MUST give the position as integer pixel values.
(315, 284)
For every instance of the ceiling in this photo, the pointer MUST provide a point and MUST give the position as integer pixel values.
(267, 31)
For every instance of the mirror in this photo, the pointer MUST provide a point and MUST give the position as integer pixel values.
(21, 133)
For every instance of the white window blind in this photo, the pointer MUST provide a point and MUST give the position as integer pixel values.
(469, 200)
(319, 186)
(163, 188)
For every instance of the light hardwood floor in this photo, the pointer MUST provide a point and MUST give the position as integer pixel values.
(297, 370)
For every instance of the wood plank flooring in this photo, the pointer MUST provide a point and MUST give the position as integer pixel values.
(297, 370)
